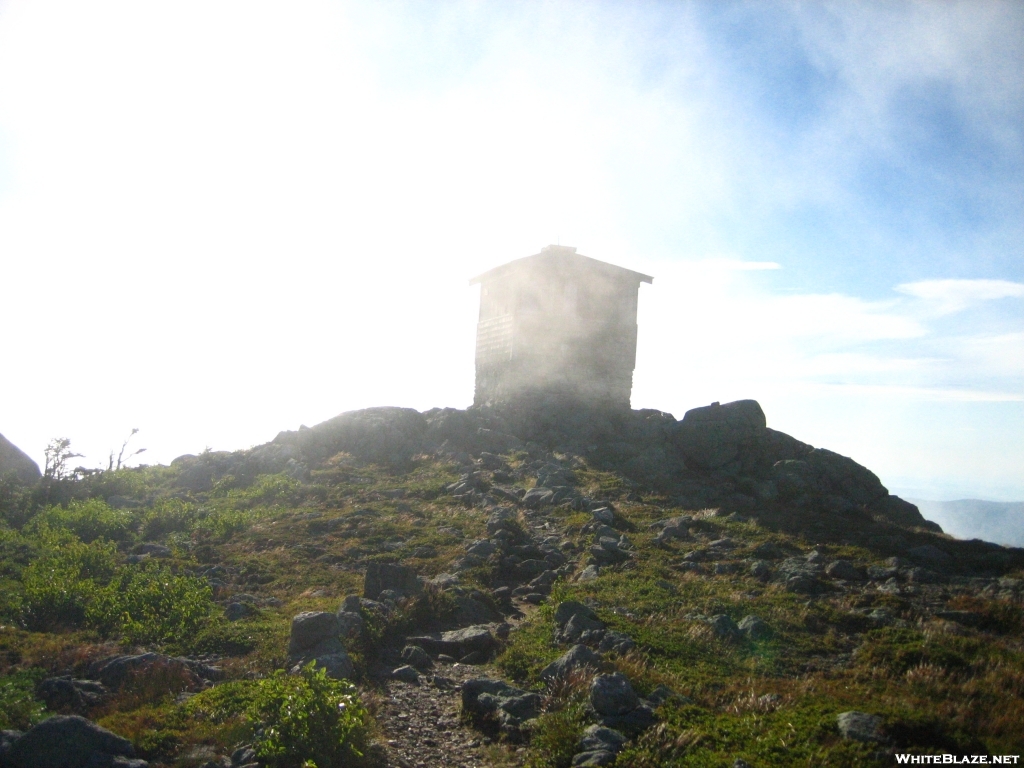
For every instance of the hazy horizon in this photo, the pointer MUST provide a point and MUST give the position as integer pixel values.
(219, 221)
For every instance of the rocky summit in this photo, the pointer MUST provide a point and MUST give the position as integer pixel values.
(554, 585)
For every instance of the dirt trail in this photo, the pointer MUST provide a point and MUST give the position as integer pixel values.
(421, 722)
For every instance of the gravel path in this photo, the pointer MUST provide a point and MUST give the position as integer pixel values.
(422, 727)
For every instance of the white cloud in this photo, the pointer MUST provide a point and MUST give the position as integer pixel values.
(948, 296)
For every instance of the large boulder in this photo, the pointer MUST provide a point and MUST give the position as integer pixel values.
(860, 726)
(496, 700)
(459, 642)
(68, 741)
(16, 463)
(383, 435)
(67, 695)
(316, 637)
(577, 657)
(116, 671)
(598, 746)
(385, 576)
(613, 695)
(315, 633)
(712, 436)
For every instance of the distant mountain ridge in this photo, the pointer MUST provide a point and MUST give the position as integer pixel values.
(999, 521)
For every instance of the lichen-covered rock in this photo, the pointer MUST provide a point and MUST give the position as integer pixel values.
(577, 657)
(613, 695)
(115, 671)
(417, 657)
(381, 577)
(860, 726)
(754, 628)
(65, 694)
(315, 633)
(845, 570)
(68, 741)
(316, 637)
(724, 627)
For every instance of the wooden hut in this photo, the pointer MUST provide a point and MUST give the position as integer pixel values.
(557, 325)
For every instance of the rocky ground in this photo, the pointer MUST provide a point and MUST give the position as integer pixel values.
(556, 589)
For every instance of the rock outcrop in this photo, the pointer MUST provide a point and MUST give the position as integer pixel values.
(16, 463)
(721, 455)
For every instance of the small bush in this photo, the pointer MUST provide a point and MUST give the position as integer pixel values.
(89, 520)
(558, 732)
(80, 585)
(19, 708)
(150, 605)
(58, 588)
(308, 717)
(166, 517)
(295, 718)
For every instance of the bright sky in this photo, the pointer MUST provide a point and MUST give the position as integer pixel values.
(219, 220)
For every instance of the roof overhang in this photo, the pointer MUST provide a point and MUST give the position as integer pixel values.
(560, 253)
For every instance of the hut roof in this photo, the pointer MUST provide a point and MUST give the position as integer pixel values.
(559, 255)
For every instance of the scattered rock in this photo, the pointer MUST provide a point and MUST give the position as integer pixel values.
(417, 657)
(598, 746)
(70, 741)
(577, 657)
(603, 515)
(350, 623)
(613, 695)
(617, 642)
(804, 584)
(407, 674)
(237, 611)
(470, 612)
(577, 626)
(569, 609)
(845, 570)
(315, 632)
(115, 671)
(860, 726)
(724, 627)
(760, 569)
(458, 643)
(70, 696)
(510, 707)
(316, 637)
(769, 551)
(381, 577)
(754, 628)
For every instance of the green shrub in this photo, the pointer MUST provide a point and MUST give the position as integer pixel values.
(308, 717)
(58, 588)
(117, 482)
(15, 502)
(296, 719)
(166, 517)
(149, 604)
(19, 708)
(89, 520)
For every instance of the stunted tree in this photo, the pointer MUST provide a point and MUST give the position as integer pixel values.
(122, 460)
(57, 453)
